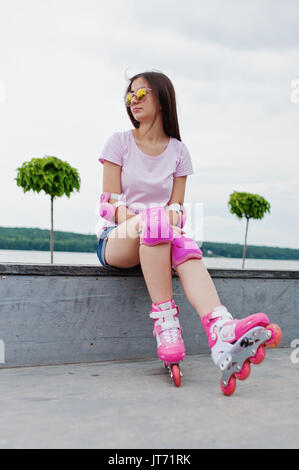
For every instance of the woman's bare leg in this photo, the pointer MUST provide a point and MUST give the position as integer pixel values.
(156, 267)
(122, 248)
(198, 286)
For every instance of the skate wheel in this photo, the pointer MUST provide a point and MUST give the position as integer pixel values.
(230, 387)
(259, 355)
(276, 335)
(244, 372)
(176, 375)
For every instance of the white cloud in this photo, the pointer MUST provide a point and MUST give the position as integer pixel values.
(237, 24)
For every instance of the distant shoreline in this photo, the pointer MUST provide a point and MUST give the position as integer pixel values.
(35, 239)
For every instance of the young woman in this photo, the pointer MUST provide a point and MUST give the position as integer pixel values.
(144, 181)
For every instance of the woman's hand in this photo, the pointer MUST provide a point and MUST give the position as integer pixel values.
(173, 219)
(177, 231)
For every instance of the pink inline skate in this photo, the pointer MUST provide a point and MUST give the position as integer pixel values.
(237, 343)
(155, 228)
(167, 330)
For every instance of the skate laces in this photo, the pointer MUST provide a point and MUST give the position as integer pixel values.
(171, 335)
(169, 324)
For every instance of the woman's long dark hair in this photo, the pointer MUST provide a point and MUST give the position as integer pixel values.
(163, 90)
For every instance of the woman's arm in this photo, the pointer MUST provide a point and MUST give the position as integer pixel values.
(112, 184)
(177, 196)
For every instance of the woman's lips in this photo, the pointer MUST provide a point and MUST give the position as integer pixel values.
(136, 109)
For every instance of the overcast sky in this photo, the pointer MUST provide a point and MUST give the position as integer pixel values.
(63, 71)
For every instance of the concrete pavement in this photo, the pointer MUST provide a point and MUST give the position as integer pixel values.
(134, 405)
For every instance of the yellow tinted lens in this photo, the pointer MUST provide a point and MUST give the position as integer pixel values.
(129, 99)
(141, 94)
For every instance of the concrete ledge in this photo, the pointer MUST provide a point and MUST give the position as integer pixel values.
(72, 313)
(92, 270)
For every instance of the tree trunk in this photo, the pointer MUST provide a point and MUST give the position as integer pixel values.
(52, 230)
(245, 244)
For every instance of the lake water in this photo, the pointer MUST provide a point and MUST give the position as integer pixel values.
(62, 257)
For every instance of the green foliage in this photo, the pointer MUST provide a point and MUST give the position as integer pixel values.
(248, 205)
(234, 250)
(18, 238)
(48, 174)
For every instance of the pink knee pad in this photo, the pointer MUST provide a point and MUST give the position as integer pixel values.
(154, 227)
(184, 248)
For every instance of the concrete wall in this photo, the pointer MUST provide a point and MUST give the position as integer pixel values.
(64, 314)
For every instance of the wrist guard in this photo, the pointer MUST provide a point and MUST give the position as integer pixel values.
(180, 209)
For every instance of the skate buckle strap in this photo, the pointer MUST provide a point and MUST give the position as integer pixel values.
(163, 313)
(221, 312)
(165, 319)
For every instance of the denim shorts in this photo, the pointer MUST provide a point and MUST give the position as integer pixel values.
(102, 245)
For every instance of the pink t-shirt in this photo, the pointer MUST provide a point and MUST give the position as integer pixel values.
(145, 180)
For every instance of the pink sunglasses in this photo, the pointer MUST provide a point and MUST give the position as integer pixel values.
(140, 94)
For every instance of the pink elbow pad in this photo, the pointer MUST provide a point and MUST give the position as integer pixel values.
(108, 210)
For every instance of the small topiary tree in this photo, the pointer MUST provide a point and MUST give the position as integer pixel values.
(250, 206)
(51, 175)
